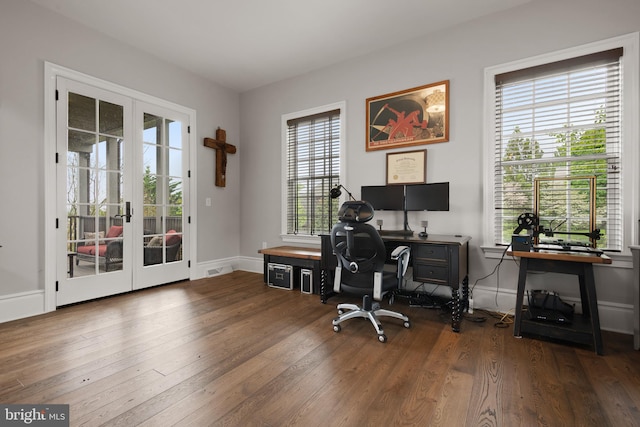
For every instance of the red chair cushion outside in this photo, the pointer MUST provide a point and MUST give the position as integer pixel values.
(173, 237)
(114, 231)
(91, 250)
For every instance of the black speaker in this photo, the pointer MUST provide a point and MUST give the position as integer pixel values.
(306, 281)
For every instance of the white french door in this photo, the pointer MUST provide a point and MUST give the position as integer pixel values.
(120, 204)
(161, 194)
(94, 143)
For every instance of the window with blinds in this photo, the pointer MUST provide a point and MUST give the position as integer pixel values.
(313, 168)
(560, 120)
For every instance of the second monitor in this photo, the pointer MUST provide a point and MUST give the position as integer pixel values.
(427, 197)
(418, 197)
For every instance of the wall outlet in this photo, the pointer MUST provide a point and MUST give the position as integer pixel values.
(264, 245)
(470, 311)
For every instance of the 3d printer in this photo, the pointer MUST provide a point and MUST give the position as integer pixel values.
(568, 205)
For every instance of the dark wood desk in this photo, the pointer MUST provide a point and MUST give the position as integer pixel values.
(436, 259)
(585, 328)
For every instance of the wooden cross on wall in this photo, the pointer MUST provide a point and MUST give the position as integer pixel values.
(222, 148)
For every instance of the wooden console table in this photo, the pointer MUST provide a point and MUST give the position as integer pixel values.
(585, 328)
(295, 256)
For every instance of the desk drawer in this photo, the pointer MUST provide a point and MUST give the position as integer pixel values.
(430, 273)
(435, 252)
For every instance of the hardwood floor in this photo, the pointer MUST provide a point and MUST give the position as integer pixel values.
(230, 351)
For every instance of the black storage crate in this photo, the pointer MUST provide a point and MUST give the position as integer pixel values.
(280, 276)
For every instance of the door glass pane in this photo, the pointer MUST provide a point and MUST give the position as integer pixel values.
(150, 161)
(94, 186)
(175, 162)
(175, 192)
(82, 112)
(111, 119)
(162, 189)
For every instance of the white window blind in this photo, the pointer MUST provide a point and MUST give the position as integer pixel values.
(560, 120)
(313, 168)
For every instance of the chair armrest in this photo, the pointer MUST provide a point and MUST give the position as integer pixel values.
(401, 255)
(400, 251)
(114, 250)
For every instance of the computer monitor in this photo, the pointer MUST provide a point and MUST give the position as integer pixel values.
(428, 197)
(384, 197)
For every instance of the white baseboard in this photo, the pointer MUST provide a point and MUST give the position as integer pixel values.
(614, 317)
(216, 268)
(227, 265)
(21, 305)
(251, 264)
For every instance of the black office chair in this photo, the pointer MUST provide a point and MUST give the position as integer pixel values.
(361, 259)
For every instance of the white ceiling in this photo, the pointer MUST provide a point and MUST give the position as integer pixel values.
(244, 44)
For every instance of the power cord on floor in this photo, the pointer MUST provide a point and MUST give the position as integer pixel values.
(504, 319)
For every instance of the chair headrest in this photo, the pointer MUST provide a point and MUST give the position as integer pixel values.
(355, 211)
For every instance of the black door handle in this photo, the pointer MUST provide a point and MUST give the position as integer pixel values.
(128, 212)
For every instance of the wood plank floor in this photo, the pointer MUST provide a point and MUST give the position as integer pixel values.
(230, 351)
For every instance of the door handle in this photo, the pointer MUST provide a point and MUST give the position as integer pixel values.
(128, 212)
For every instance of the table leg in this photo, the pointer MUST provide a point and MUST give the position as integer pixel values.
(455, 310)
(592, 303)
(323, 286)
(584, 300)
(522, 279)
(465, 295)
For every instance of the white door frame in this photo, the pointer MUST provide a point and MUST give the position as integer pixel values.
(51, 72)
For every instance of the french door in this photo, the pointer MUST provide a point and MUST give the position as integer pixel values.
(162, 195)
(120, 193)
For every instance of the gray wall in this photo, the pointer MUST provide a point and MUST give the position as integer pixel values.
(30, 35)
(459, 55)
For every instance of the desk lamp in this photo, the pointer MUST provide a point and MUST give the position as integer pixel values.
(335, 192)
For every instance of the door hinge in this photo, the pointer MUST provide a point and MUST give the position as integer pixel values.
(57, 222)
(57, 95)
(57, 283)
(57, 157)
(189, 219)
(188, 174)
(188, 129)
(189, 264)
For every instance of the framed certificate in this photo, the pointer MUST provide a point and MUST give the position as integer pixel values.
(409, 167)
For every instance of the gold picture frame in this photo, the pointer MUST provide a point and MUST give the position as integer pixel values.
(410, 117)
(408, 167)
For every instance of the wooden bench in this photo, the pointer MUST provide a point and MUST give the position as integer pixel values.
(297, 257)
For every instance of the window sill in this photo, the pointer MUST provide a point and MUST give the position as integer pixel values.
(309, 240)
